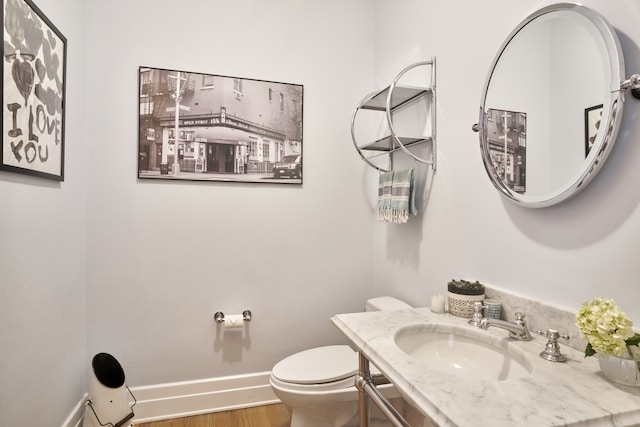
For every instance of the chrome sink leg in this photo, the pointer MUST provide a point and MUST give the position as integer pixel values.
(363, 401)
(367, 390)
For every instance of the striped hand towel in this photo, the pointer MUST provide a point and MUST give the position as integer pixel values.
(384, 193)
(396, 199)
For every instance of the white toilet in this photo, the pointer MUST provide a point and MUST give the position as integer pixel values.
(317, 385)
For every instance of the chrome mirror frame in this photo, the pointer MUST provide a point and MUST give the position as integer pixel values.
(612, 112)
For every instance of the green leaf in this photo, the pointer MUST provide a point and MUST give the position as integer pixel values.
(634, 340)
(589, 351)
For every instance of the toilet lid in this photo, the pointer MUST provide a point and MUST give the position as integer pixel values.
(318, 365)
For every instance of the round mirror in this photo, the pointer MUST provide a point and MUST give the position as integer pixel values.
(551, 105)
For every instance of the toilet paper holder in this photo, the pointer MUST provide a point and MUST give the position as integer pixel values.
(219, 316)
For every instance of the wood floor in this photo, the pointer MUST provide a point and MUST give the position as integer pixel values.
(259, 416)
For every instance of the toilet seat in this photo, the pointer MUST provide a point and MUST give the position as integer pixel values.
(346, 384)
(321, 368)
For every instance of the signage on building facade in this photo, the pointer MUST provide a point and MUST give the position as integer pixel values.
(223, 121)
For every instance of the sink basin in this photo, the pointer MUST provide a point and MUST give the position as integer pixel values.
(464, 352)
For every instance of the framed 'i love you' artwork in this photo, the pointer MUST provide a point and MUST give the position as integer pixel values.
(33, 92)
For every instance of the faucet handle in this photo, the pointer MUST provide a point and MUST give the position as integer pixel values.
(477, 314)
(552, 334)
(551, 351)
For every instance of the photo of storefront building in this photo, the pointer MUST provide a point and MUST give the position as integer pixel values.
(220, 128)
(507, 140)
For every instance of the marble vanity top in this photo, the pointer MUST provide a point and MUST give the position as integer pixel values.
(573, 393)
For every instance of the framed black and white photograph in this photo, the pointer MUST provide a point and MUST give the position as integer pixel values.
(507, 140)
(33, 92)
(592, 118)
(208, 127)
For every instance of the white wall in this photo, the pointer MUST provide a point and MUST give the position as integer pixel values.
(294, 255)
(43, 263)
(582, 248)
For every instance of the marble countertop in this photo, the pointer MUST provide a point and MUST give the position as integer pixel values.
(573, 393)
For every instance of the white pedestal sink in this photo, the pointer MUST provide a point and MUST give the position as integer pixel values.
(463, 352)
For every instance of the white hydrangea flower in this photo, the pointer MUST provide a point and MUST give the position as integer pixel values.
(603, 324)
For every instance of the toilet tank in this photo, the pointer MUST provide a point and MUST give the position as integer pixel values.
(386, 303)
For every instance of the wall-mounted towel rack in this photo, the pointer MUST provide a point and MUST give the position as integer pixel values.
(389, 100)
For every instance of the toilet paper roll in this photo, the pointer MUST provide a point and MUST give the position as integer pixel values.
(233, 321)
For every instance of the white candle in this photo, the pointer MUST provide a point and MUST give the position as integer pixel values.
(437, 304)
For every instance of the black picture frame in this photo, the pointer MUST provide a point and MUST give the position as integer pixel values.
(33, 92)
(222, 128)
(592, 119)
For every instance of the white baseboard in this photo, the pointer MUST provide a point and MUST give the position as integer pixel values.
(173, 400)
(182, 399)
(75, 417)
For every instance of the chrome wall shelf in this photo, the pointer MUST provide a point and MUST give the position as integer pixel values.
(389, 100)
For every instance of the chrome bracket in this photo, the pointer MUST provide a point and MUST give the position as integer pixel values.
(632, 83)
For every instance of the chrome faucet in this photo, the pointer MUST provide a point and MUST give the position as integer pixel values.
(517, 329)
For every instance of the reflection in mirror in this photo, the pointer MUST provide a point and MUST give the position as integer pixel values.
(548, 112)
(507, 144)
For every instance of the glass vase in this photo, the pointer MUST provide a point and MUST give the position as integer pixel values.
(621, 369)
